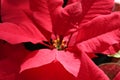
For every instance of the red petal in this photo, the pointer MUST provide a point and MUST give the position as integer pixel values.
(8, 70)
(95, 8)
(41, 16)
(98, 26)
(15, 53)
(38, 58)
(42, 64)
(117, 77)
(100, 34)
(22, 4)
(72, 1)
(110, 69)
(50, 15)
(44, 57)
(11, 56)
(101, 43)
(89, 71)
(40, 67)
(13, 11)
(52, 71)
(14, 34)
(69, 61)
(45, 65)
(19, 27)
(66, 19)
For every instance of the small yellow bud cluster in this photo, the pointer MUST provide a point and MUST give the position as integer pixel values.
(59, 44)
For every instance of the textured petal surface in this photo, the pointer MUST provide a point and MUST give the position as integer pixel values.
(102, 33)
(41, 16)
(17, 26)
(10, 10)
(110, 69)
(13, 52)
(89, 71)
(49, 15)
(101, 43)
(65, 19)
(69, 61)
(38, 58)
(14, 34)
(11, 56)
(59, 69)
(8, 70)
(52, 71)
(117, 77)
(95, 8)
(45, 56)
(98, 26)
(72, 1)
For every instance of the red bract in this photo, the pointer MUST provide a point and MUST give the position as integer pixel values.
(100, 34)
(56, 65)
(36, 20)
(111, 69)
(117, 77)
(11, 56)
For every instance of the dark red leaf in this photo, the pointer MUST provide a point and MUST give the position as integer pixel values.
(111, 69)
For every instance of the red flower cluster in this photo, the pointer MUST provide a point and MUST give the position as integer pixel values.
(72, 34)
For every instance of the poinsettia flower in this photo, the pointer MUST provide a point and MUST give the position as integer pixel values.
(37, 22)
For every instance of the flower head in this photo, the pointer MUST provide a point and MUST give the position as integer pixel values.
(78, 27)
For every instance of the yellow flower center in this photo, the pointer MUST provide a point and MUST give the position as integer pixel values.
(59, 44)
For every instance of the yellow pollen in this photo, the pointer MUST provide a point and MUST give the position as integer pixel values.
(59, 44)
